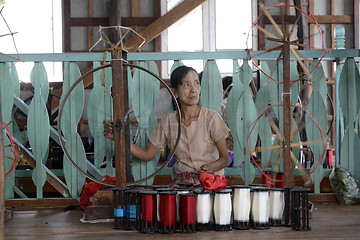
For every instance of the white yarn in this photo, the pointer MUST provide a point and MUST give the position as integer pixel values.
(158, 206)
(277, 204)
(203, 208)
(260, 207)
(241, 204)
(222, 208)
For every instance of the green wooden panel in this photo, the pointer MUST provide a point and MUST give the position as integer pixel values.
(247, 114)
(74, 179)
(130, 82)
(348, 91)
(15, 78)
(7, 93)
(294, 86)
(39, 125)
(177, 63)
(232, 112)
(100, 108)
(318, 79)
(211, 87)
(262, 103)
(74, 105)
(316, 108)
(276, 91)
(73, 109)
(39, 79)
(144, 97)
(7, 100)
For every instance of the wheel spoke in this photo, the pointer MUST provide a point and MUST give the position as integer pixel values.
(267, 32)
(306, 143)
(294, 52)
(267, 148)
(267, 14)
(277, 132)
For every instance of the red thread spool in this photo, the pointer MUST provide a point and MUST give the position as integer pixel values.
(148, 211)
(279, 183)
(266, 179)
(187, 213)
(167, 212)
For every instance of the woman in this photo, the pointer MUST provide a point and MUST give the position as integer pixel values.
(202, 146)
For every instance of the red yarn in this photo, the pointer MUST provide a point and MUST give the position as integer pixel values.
(13, 165)
(208, 181)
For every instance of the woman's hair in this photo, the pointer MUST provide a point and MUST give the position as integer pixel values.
(178, 74)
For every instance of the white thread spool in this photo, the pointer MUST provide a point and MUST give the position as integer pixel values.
(204, 208)
(260, 208)
(252, 196)
(222, 210)
(241, 207)
(277, 204)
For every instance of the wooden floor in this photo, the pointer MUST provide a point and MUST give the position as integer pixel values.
(328, 222)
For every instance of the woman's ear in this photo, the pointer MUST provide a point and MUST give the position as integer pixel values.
(174, 92)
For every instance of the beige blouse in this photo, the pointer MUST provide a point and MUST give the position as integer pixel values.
(197, 142)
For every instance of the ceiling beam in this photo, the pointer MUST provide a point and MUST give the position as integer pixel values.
(162, 23)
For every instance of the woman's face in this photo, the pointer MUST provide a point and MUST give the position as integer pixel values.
(188, 92)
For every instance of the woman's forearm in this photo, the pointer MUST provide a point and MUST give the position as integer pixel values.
(144, 154)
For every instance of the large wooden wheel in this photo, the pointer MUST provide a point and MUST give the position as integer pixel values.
(281, 99)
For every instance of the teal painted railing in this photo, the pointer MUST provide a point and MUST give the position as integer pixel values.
(242, 111)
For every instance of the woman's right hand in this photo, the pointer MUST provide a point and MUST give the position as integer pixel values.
(109, 129)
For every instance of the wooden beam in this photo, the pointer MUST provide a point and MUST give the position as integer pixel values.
(102, 21)
(114, 19)
(135, 8)
(121, 106)
(357, 24)
(59, 186)
(162, 23)
(158, 40)
(321, 19)
(90, 28)
(41, 203)
(66, 25)
(261, 36)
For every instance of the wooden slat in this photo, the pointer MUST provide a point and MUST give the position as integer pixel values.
(41, 203)
(66, 25)
(329, 198)
(90, 28)
(102, 21)
(121, 106)
(162, 23)
(135, 8)
(321, 19)
(59, 186)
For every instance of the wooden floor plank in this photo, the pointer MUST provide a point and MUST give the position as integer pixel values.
(327, 222)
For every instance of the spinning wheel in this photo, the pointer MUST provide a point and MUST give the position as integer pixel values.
(60, 130)
(279, 97)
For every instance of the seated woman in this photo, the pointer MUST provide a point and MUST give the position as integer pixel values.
(202, 146)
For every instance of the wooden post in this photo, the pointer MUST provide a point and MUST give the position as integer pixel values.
(2, 179)
(121, 106)
(288, 166)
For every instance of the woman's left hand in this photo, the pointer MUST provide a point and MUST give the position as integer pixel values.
(207, 168)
